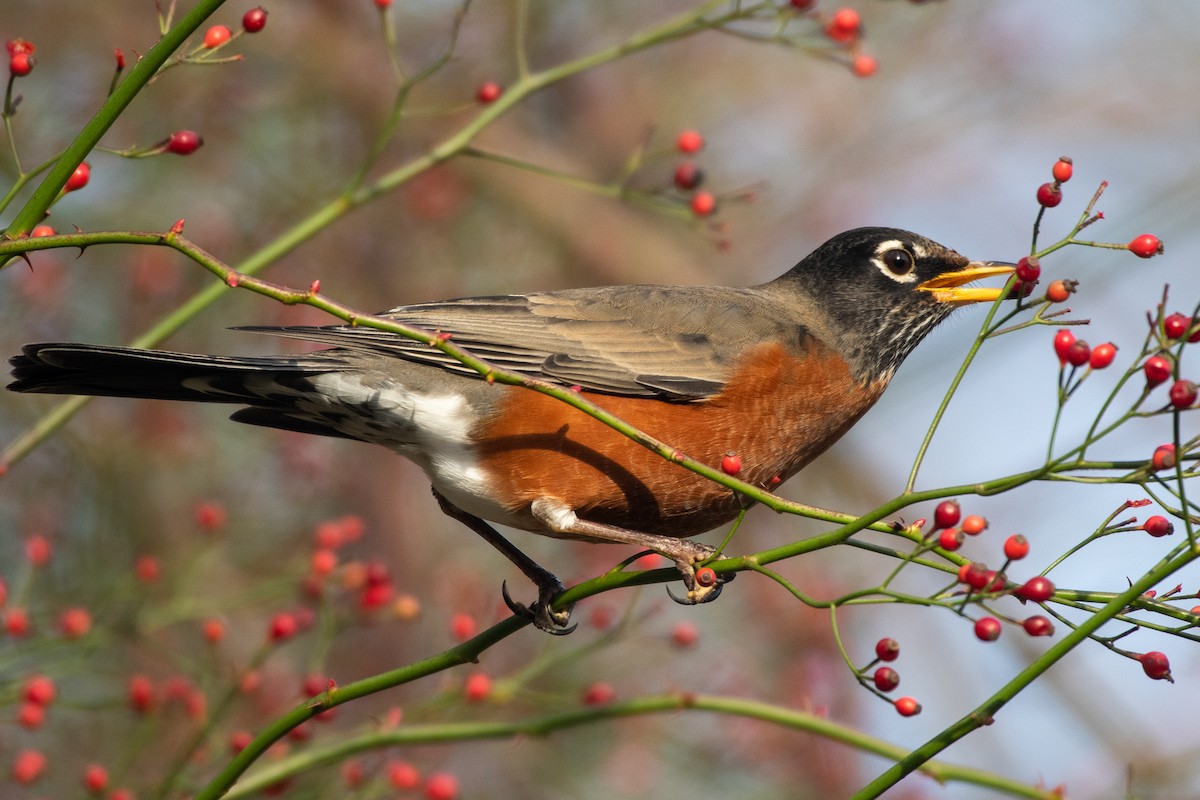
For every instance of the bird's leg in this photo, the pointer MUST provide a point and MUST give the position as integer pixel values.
(685, 553)
(540, 613)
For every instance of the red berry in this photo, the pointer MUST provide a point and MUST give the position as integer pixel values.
(489, 92)
(38, 550)
(688, 176)
(974, 525)
(39, 689)
(20, 64)
(75, 622)
(31, 716)
(907, 707)
(478, 687)
(403, 775)
(1062, 344)
(1183, 394)
(254, 20)
(441, 786)
(987, 629)
(79, 178)
(1163, 458)
(1146, 246)
(1158, 526)
(706, 576)
(16, 622)
(863, 65)
(323, 561)
(184, 143)
(886, 679)
(95, 778)
(703, 204)
(146, 569)
(977, 575)
(950, 539)
(1157, 369)
(1049, 195)
(210, 516)
(803, 5)
(383, 3)
(1176, 325)
(239, 741)
(1028, 269)
(844, 25)
(1062, 169)
(1156, 665)
(599, 694)
(216, 36)
(214, 630)
(283, 627)
(1103, 355)
(1079, 353)
(731, 464)
(1016, 547)
(1020, 289)
(947, 514)
(685, 634)
(1038, 626)
(463, 627)
(1060, 291)
(1037, 589)
(689, 142)
(887, 649)
(141, 694)
(28, 766)
(41, 230)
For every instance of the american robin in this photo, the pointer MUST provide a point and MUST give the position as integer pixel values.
(775, 373)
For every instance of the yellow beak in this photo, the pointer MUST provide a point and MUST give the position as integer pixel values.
(948, 287)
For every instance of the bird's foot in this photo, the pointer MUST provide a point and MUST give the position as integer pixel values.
(703, 583)
(541, 612)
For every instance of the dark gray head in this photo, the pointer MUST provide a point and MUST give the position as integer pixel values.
(874, 293)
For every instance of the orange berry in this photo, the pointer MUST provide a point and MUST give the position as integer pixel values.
(216, 36)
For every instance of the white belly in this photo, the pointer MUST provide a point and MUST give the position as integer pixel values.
(431, 430)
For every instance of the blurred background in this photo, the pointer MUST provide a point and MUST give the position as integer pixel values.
(970, 107)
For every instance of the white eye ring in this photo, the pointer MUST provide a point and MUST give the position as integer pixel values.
(896, 261)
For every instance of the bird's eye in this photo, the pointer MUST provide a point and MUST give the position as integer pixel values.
(898, 262)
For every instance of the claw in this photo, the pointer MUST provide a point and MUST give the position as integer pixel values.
(698, 593)
(541, 612)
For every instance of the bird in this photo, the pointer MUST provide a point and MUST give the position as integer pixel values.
(774, 373)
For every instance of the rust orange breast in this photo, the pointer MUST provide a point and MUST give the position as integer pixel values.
(777, 412)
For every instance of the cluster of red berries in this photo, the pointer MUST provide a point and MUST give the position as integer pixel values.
(253, 21)
(688, 177)
(886, 679)
(1078, 353)
(369, 580)
(74, 622)
(20, 57)
(951, 528)
(844, 27)
(1050, 194)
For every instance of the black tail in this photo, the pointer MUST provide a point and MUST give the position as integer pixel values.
(86, 369)
(270, 386)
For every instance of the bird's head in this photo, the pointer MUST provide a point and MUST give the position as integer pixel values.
(876, 293)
